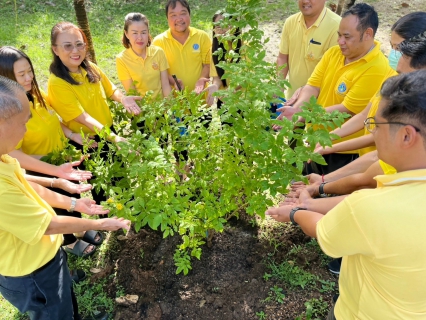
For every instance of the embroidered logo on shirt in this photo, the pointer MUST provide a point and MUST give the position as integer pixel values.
(342, 88)
(155, 65)
(196, 47)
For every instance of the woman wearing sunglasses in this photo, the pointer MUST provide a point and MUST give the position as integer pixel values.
(78, 89)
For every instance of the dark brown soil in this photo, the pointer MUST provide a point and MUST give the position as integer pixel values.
(227, 283)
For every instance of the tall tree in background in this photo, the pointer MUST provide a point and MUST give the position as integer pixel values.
(83, 23)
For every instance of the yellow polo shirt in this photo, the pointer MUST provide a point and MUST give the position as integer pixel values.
(186, 60)
(24, 220)
(373, 109)
(380, 235)
(44, 132)
(306, 46)
(146, 71)
(70, 101)
(352, 84)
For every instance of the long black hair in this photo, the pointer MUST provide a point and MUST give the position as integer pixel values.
(8, 57)
(216, 44)
(58, 68)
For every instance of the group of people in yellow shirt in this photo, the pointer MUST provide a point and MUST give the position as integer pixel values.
(344, 78)
(373, 230)
(33, 271)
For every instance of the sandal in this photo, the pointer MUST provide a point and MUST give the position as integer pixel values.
(90, 236)
(79, 247)
(77, 275)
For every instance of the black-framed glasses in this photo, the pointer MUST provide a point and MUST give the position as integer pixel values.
(70, 47)
(370, 124)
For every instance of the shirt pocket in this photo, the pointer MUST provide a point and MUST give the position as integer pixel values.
(315, 51)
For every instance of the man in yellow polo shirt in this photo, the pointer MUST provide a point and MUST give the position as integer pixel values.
(380, 232)
(188, 50)
(305, 37)
(347, 76)
(34, 275)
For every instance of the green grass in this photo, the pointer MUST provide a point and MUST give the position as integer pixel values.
(30, 28)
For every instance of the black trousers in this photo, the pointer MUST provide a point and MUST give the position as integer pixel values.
(334, 161)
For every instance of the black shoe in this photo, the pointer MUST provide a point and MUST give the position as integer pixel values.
(334, 265)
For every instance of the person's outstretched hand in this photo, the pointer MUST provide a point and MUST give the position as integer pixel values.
(67, 171)
(113, 224)
(89, 206)
(129, 103)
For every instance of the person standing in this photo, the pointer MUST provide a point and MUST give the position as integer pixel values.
(346, 78)
(142, 66)
(34, 275)
(305, 37)
(188, 50)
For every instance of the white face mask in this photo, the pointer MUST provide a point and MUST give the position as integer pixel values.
(394, 56)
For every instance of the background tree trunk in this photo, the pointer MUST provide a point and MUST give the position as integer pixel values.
(344, 5)
(83, 23)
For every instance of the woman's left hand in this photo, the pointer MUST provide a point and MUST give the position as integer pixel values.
(129, 103)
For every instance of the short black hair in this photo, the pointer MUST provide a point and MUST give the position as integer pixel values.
(405, 98)
(367, 17)
(415, 49)
(172, 3)
(9, 104)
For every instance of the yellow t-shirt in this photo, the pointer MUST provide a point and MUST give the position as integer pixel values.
(186, 60)
(24, 219)
(44, 132)
(146, 71)
(306, 46)
(70, 101)
(380, 235)
(373, 109)
(352, 84)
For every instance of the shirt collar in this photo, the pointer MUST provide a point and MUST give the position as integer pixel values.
(77, 76)
(401, 178)
(373, 53)
(149, 52)
(192, 31)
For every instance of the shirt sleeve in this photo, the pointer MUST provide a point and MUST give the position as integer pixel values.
(206, 48)
(339, 234)
(315, 79)
(284, 39)
(362, 90)
(22, 216)
(164, 65)
(108, 86)
(63, 99)
(213, 71)
(122, 71)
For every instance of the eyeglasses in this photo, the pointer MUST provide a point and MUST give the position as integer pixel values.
(70, 47)
(370, 124)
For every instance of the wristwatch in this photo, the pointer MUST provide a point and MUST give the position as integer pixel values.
(321, 192)
(73, 203)
(292, 212)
